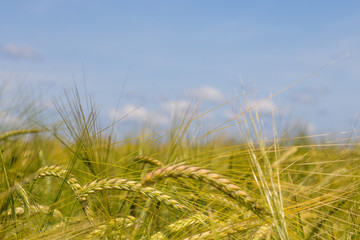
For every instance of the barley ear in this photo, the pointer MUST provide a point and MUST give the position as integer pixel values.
(71, 181)
(132, 186)
(6, 135)
(207, 176)
(147, 159)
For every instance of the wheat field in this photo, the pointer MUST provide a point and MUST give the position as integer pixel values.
(75, 180)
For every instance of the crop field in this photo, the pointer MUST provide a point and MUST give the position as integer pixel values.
(74, 179)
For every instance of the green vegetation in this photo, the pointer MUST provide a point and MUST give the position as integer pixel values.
(75, 180)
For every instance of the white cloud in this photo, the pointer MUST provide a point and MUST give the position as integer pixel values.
(137, 114)
(176, 106)
(310, 128)
(206, 93)
(260, 106)
(16, 51)
(307, 95)
(130, 112)
(229, 114)
(263, 106)
(9, 120)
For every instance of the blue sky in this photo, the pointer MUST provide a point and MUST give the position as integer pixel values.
(154, 56)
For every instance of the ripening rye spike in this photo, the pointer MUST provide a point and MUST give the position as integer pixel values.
(227, 230)
(132, 186)
(6, 135)
(207, 176)
(71, 181)
(147, 159)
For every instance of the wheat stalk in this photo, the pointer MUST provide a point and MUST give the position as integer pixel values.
(32, 209)
(23, 195)
(57, 171)
(132, 186)
(224, 201)
(147, 159)
(18, 211)
(262, 231)
(158, 236)
(207, 176)
(8, 134)
(71, 181)
(101, 230)
(225, 231)
(183, 223)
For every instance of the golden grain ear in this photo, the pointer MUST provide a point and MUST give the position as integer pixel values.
(215, 180)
